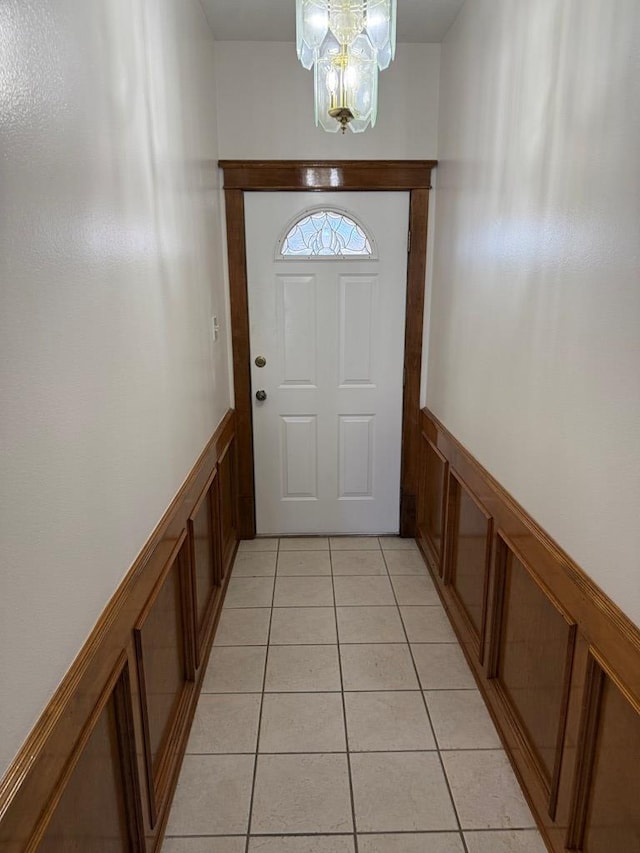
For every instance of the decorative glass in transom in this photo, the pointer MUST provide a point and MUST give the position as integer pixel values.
(326, 233)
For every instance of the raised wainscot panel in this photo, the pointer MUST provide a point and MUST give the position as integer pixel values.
(96, 807)
(164, 639)
(469, 535)
(607, 792)
(227, 506)
(204, 540)
(433, 493)
(531, 658)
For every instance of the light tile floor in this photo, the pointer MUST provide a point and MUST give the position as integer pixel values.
(338, 715)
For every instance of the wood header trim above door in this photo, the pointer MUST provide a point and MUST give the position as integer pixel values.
(327, 175)
(242, 176)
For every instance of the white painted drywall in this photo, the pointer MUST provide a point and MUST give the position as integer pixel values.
(265, 106)
(535, 334)
(110, 269)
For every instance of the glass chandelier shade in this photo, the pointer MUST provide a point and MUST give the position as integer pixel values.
(346, 42)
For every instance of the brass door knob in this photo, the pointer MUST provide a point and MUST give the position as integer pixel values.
(261, 361)
(261, 396)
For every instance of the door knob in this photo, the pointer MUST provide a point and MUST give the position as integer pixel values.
(261, 396)
(261, 361)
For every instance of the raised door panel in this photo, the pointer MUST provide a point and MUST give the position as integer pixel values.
(431, 511)
(97, 807)
(469, 558)
(356, 455)
(357, 339)
(165, 665)
(296, 330)
(533, 651)
(299, 458)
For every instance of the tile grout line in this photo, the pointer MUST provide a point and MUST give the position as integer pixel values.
(437, 749)
(344, 707)
(426, 707)
(264, 683)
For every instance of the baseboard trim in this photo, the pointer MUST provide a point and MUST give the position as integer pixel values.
(538, 634)
(169, 570)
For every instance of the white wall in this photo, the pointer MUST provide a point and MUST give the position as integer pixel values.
(110, 269)
(265, 104)
(535, 333)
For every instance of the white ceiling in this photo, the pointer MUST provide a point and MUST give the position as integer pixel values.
(274, 20)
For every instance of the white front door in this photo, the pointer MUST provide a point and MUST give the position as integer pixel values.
(327, 438)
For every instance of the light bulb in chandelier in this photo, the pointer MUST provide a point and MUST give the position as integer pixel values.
(346, 42)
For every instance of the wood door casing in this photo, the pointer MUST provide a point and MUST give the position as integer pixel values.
(362, 175)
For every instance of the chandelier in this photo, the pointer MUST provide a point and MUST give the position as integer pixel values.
(346, 42)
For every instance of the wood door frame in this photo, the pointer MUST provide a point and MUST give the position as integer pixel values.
(241, 176)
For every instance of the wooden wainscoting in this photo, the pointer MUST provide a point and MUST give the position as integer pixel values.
(99, 769)
(556, 660)
(206, 561)
(468, 559)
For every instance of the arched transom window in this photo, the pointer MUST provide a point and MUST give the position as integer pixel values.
(326, 233)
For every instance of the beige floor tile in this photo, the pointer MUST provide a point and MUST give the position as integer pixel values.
(303, 592)
(213, 795)
(358, 563)
(427, 624)
(302, 722)
(255, 564)
(235, 669)
(442, 666)
(304, 543)
(248, 627)
(249, 592)
(299, 626)
(354, 543)
(405, 563)
(387, 721)
(461, 720)
(485, 790)
(396, 543)
(433, 842)
(204, 845)
(301, 794)
(292, 669)
(414, 590)
(370, 625)
(400, 791)
(292, 563)
(352, 591)
(377, 667)
(258, 544)
(505, 841)
(303, 844)
(225, 723)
